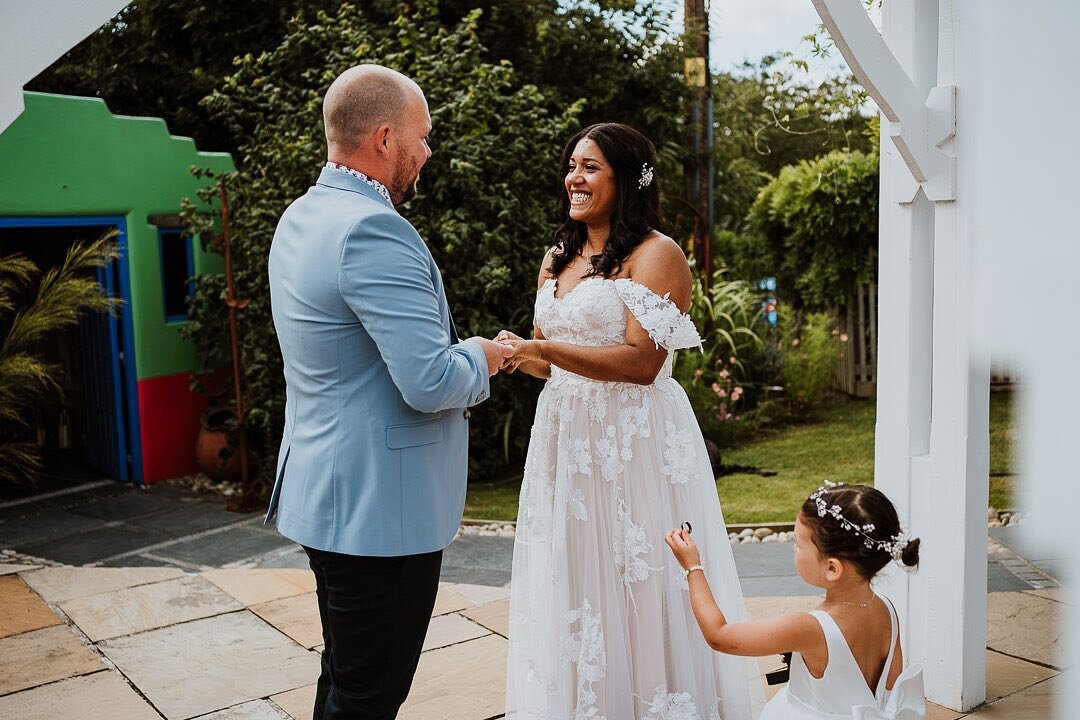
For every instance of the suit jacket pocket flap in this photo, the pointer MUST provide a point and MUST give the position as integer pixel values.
(403, 436)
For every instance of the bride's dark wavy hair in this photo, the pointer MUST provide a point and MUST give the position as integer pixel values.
(636, 211)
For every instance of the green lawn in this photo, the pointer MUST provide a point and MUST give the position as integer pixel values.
(838, 446)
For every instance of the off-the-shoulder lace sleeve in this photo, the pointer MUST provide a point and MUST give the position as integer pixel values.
(666, 324)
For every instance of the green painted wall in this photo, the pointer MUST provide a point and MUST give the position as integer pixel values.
(71, 156)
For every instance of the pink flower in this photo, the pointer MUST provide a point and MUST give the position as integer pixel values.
(794, 342)
(843, 337)
(731, 360)
(720, 392)
(724, 373)
(698, 373)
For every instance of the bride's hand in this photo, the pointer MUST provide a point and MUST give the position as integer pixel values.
(683, 547)
(506, 337)
(524, 351)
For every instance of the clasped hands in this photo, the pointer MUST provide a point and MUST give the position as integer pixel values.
(523, 350)
(507, 351)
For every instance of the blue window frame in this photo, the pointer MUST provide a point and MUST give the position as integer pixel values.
(177, 268)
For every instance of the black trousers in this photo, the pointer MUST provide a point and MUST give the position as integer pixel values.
(375, 613)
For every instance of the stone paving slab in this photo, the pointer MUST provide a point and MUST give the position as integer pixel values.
(297, 703)
(101, 696)
(22, 610)
(43, 656)
(481, 594)
(145, 607)
(460, 682)
(296, 616)
(1007, 675)
(1026, 626)
(447, 630)
(13, 569)
(255, 586)
(1033, 703)
(211, 664)
(60, 584)
(448, 601)
(495, 616)
(254, 710)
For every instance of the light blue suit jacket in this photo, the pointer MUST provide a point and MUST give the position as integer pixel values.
(373, 459)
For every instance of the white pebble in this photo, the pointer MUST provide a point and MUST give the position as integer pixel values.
(747, 532)
(770, 538)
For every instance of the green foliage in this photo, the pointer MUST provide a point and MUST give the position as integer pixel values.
(726, 315)
(816, 225)
(33, 306)
(483, 209)
(769, 116)
(811, 353)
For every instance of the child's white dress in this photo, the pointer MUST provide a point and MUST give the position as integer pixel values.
(842, 693)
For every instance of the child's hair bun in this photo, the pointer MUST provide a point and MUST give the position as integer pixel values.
(910, 554)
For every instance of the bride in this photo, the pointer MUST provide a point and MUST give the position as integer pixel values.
(600, 621)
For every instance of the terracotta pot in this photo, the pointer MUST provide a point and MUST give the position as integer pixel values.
(213, 453)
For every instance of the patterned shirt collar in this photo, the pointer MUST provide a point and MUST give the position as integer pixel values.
(379, 187)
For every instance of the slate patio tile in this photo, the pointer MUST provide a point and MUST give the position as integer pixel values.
(448, 601)
(21, 610)
(298, 703)
(296, 616)
(222, 548)
(134, 503)
(188, 518)
(43, 656)
(94, 544)
(252, 587)
(460, 682)
(100, 696)
(58, 584)
(1025, 626)
(447, 630)
(35, 529)
(229, 659)
(253, 710)
(145, 607)
(495, 616)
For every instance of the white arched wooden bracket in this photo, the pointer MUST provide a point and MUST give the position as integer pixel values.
(918, 125)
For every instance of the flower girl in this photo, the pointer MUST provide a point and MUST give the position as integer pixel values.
(846, 656)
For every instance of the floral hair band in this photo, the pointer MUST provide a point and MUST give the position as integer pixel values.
(894, 546)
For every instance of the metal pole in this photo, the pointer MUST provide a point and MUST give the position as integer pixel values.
(234, 304)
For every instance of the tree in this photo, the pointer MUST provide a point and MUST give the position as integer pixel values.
(34, 306)
(487, 193)
(815, 226)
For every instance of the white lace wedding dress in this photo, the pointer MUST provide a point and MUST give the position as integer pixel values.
(600, 621)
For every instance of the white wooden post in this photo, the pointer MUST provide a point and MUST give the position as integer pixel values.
(932, 442)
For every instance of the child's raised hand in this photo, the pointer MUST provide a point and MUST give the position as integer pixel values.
(683, 547)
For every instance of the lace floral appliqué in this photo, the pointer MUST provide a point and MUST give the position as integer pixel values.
(679, 455)
(671, 706)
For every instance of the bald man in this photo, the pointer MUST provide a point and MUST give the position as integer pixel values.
(372, 467)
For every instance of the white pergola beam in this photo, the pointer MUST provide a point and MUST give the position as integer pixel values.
(917, 128)
(36, 33)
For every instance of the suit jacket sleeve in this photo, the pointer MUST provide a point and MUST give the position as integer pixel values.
(386, 280)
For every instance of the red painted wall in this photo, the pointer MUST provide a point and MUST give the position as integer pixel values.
(169, 421)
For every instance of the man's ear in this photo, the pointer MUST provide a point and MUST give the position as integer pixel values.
(384, 137)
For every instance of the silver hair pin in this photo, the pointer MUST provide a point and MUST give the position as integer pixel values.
(646, 176)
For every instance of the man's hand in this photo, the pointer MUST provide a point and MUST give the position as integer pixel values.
(496, 353)
(505, 336)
